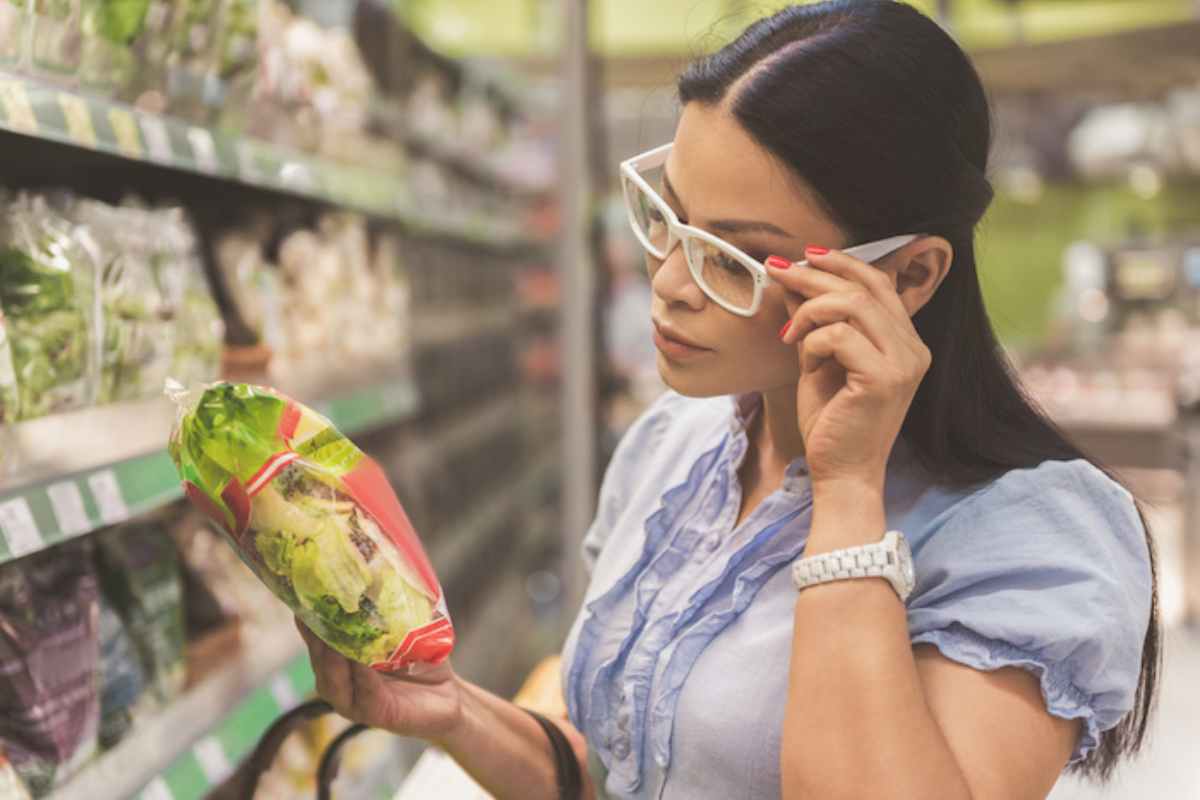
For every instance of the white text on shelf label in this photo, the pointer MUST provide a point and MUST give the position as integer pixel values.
(109, 499)
(19, 528)
(67, 503)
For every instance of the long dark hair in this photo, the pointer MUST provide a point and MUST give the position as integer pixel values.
(878, 110)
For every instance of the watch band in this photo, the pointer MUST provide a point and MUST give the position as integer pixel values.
(877, 559)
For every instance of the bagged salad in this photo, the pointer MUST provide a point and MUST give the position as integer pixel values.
(316, 521)
(46, 292)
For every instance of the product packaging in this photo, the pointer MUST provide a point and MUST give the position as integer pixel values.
(316, 520)
(49, 648)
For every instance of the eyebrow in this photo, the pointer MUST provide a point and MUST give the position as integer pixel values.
(731, 225)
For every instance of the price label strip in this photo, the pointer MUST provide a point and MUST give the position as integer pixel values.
(157, 789)
(247, 167)
(213, 761)
(19, 529)
(283, 691)
(158, 143)
(109, 499)
(17, 108)
(204, 150)
(67, 502)
(79, 119)
(125, 129)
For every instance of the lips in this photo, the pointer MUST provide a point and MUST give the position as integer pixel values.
(674, 336)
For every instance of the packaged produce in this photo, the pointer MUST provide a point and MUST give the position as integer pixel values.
(316, 520)
(192, 61)
(109, 27)
(49, 705)
(13, 42)
(46, 292)
(139, 573)
(122, 678)
(143, 269)
(8, 379)
(56, 39)
(199, 329)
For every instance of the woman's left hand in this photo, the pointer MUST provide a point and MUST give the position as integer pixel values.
(861, 362)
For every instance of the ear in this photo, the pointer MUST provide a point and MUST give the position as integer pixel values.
(918, 269)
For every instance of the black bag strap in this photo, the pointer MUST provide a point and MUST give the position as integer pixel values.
(566, 765)
(331, 759)
(242, 784)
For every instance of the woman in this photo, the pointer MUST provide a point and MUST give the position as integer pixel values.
(696, 667)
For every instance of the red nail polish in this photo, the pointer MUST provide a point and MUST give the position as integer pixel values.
(778, 263)
(783, 331)
(816, 251)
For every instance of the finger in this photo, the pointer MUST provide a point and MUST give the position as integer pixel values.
(845, 344)
(860, 272)
(330, 668)
(798, 278)
(857, 307)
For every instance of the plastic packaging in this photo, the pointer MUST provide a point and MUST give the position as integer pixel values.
(316, 520)
(47, 291)
(139, 572)
(49, 648)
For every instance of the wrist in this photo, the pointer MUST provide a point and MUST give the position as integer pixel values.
(846, 513)
(463, 721)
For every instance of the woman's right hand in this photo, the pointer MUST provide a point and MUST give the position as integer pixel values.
(426, 706)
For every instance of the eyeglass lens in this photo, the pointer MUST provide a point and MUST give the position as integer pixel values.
(721, 275)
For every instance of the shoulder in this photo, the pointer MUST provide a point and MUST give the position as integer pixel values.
(1047, 568)
(1056, 506)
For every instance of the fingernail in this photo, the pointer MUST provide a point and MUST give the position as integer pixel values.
(816, 251)
(778, 263)
(783, 331)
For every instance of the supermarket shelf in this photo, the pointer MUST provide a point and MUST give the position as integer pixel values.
(197, 741)
(458, 550)
(33, 109)
(85, 477)
(470, 165)
(431, 328)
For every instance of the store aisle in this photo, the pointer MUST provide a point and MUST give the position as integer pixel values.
(1169, 769)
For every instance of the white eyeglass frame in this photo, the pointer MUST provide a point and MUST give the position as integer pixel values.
(679, 233)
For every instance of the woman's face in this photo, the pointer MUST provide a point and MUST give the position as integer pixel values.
(721, 180)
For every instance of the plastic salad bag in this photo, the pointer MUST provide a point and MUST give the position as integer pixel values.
(316, 520)
(46, 291)
(141, 287)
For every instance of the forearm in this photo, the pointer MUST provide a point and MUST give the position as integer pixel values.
(504, 749)
(857, 723)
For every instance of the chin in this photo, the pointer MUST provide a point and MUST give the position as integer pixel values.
(690, 382)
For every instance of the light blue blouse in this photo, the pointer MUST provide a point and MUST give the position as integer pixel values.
(676, 667)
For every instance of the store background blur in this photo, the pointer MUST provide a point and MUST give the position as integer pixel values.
(406, 213)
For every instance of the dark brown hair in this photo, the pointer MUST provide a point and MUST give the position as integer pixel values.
(879, 111)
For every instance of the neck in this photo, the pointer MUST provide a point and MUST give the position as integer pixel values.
(775, 435)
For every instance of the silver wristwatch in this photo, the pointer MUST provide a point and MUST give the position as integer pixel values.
(888, 558)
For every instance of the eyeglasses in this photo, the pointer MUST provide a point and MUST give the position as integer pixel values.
(729, 277)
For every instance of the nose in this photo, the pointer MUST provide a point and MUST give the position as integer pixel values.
(673, 281)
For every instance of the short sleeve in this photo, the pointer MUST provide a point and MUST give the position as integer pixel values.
(1046, 569)
(637, 444)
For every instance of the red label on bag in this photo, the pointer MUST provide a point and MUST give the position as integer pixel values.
(369, 486)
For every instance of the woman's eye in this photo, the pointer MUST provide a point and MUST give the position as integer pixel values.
(729, 264)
